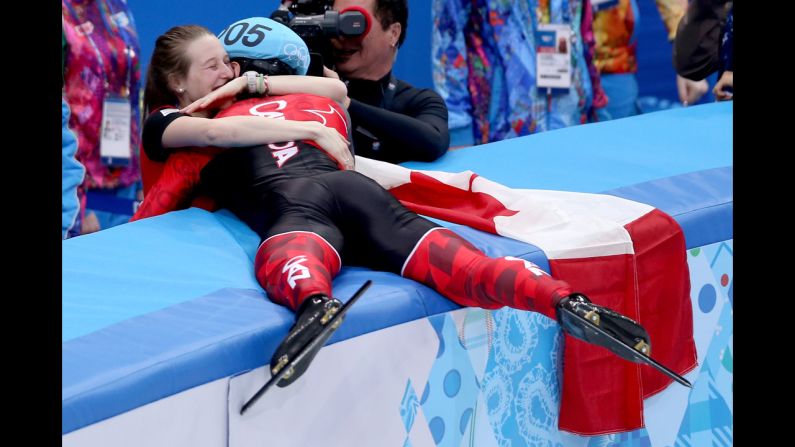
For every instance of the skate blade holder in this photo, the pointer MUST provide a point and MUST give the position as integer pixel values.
(593, 317)
(328, 315)
(283, 360)
(640, 345)
(637, 353)
(278, 372)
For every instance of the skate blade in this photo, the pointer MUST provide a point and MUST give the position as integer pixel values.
(626, 351)
(287, 370)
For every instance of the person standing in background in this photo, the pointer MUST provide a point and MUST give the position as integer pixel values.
(616, 54)
(72, 172)
(724, 88)
(101, 86)
(500, 68)
(704, 44)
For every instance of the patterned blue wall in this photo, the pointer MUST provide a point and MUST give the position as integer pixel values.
(496, 377)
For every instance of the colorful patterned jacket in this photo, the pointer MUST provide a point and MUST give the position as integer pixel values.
(485, 67)
(102, 58)
(614, 28)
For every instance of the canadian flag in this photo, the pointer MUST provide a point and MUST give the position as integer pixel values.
(622, 254)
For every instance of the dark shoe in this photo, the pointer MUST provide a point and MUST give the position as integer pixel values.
(311, 317)
(578, 317)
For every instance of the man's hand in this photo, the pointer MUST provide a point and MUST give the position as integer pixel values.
(329, 73)
(726, 81)
(90, 223)
(690, 91)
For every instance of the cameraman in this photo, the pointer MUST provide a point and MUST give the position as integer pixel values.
(392, 121)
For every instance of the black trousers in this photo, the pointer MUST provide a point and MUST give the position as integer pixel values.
(365, 223)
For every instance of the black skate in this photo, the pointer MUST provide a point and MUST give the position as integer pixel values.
(601, 326)
(311, 317)
(317, 319)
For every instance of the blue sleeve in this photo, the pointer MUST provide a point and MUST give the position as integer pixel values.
(72, 173)
(450, 69)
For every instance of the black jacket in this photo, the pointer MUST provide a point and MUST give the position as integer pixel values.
(696, 51)
(395, 122)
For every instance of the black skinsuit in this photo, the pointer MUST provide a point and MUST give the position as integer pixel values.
(294, 186)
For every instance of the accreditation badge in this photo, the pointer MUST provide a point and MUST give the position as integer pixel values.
(114, 143)
(553, 56)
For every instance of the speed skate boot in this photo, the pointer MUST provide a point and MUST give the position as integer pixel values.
(311, 318)
(595, 324)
